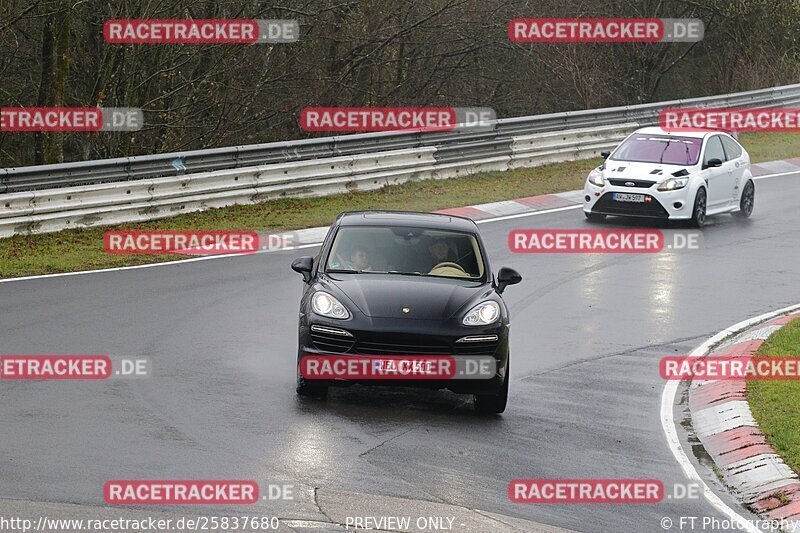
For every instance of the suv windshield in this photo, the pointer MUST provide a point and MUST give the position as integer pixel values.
(407, 251)
(659, 149)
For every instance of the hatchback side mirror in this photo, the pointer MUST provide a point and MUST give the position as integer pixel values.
(507, 276)
(605, 154)
(303, 265)
(713, 163)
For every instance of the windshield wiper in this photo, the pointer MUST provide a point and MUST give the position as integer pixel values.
(351, 271)
(661, 159)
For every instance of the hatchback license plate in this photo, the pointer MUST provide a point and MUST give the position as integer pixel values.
(626, 197)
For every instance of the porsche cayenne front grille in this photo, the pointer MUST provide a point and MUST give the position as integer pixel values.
(396, 344)
(395, 348)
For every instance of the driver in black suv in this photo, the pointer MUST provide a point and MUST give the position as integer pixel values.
(439, 252)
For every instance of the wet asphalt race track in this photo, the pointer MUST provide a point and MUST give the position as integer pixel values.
(588, 332)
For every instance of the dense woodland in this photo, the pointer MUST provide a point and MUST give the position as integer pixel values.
(361, 53)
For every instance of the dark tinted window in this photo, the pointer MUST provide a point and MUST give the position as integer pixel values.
(405, 250)
(714, 150)
(732, 148)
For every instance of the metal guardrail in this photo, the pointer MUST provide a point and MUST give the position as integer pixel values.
(452, 146)
(153, 198)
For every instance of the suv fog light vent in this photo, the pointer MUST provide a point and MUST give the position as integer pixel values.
(331, 331)
(478, 338)
(677, 205)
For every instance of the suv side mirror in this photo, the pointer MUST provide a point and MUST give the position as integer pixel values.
(303, 265)
(713, 163)
(507, 276)
(605, 154)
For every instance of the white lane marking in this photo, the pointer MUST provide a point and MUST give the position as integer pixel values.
(529, 214)
(668, 422)
(299, 247)
(778, 175)
(150, 265)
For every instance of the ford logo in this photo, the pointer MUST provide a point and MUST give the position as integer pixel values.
(630, 184)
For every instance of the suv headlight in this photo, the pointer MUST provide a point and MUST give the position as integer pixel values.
(673, 184)
(326, 305)
(483, 314)
(596, 178)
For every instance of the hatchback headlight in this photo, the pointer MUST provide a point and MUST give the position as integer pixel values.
(596, 178)
(326, 305)
(483, 314)
(673, 184)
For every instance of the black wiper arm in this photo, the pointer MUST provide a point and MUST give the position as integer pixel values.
(661, 159)
(342, 271)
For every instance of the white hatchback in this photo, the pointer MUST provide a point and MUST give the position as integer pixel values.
(654, 173)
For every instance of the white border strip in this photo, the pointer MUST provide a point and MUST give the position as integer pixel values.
(668, 423)
(778, 175)
(310, 245)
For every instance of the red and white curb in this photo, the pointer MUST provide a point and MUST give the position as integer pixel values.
(775, 167)
(544, 202)
(723, 422)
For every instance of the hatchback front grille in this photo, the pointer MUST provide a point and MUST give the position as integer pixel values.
(607, 206)
(642, 184)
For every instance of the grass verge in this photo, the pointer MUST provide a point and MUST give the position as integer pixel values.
(82, 249)
(776, 404)
(771, 146)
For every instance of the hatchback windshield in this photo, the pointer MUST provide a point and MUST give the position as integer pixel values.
(406, 250)
(659, 149)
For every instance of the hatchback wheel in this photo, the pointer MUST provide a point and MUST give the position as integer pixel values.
(699, 213)
(748, 201)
